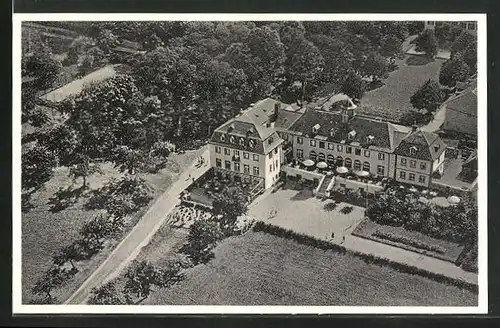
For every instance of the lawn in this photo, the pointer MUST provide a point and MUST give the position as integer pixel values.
(45, 232)
(392, 100)
(261, 269)
(367, 229)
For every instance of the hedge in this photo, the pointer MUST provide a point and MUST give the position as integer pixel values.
(367, 258)
(409, 241)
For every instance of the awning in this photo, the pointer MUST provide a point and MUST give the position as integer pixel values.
(342, 169)
(362, 173)
(308, 162)
(321, 165)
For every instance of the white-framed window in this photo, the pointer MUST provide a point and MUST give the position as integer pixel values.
(423, 166)
(218, 162)
(256, 157)
(413, 163)
(256, 170)
(312, 143)
(357, 151)
(413, 150)
(270, 140)
(285, 136)
(270, 167)
(322, 144)
(227, 165)
(300, 154)
(357, 165)
(366, 166)
(237, 167)
(217, 149)
(270, 154)
(402, 175)
(277, 164)
(348, 163)
(367, 153)
(232, 139)
(421, 179)
(227, 151)
(276, 150)
(331, 146)
(403, 161)
(222, 137)
(300, 141)
(246, 155)
(251, 144)
(312, 155)
(348, 149)
(380, 170)
(242, 141)
(246, 169)
(381, 156)
(236, 153)
(339, 148)
(411, 176)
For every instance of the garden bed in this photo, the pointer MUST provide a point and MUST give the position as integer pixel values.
(410, 240)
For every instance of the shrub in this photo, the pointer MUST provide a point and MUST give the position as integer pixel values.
(409, 241)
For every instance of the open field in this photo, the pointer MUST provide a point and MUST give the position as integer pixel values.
(392, 100)
(261, 269)
(45, 232)
(367, 228)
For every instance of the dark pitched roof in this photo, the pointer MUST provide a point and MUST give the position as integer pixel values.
(333, 129)
(286, 118)
(471, 161)
(465, 102)
(427, 145)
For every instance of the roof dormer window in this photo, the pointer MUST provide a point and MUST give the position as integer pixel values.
(436, 148)
(222, 137)
(242, 141)
(232, 139)
(270, 140)
(315, 128)
(351, 134)
(413, 150)
(332, 132)
(251, 143)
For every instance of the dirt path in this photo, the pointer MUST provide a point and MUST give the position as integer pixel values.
(140, 235)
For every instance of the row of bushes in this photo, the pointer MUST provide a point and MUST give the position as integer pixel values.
(409, 241)
(367, 258)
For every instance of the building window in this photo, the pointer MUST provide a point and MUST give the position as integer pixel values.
(348, 149)
(413, 150)
(331, 146)
(339, 148)
(217, 149)
(312, 143)
(330, 159)
(270, 140)
(270, 154)
(403, 161)
(381, 156)
(321, 157)
(411, 177)
(357, 151)
(300, 141)
(232, 139)
(357, 165)
(218, 162)
(413, 163)
(340, 161)
(242, 141)
(236, 153)
(227, 151)
(246, 168)
(366, 166)
(227, 165)
(285, 136)
(251, 144)
(421, 179)
(256, 157)
(471, 26)
(322, 144)
(277, 164)
(402, 175)
(300, 154)
(348, 163)
(270, 167)
(246, 155)
(237, 167)
(312, 155)
(276, 150)
(367, 153)
(222, 137)
(423, 166)
(380, 170)
(255, 170)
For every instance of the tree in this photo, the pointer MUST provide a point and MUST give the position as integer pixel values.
(426, 42)
(415, 27)
(461, 43)
(42, 67)
(454, 70)
(447, 33)
(106, 294)
(429, 96)
(228, 206)
(51, 279)
(306, 64)
(353, 86)
(107, 40)
(72, 253)
(84, 167)
(38, 164)
(202, 238)
(391, 47)
(92, 59)
(97, 228)
(375, 66)
(140, 278)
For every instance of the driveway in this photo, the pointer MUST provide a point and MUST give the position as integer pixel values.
(141, 234)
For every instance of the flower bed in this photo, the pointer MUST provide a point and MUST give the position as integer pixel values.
(409, 241)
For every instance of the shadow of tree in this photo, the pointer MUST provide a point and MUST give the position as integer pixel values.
(418, 60)
(329, 207)
(302, 195)
(346, 209)
(64, 198)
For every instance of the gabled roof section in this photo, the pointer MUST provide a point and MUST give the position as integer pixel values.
(421, 145)
(464, 102)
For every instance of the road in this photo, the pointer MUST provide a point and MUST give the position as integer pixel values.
(141, 234)
(437, 120)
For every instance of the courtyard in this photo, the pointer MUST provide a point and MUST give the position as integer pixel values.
(300, 211)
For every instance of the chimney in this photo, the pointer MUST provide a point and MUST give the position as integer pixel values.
(230, 128)
(414, 128)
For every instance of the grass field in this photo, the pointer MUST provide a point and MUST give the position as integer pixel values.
(44, 232)
(392, 100)
(261, 269)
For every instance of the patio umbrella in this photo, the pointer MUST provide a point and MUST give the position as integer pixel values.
(308, 162)
(413, 189)
(362, 173)
(423, 200)
(453, 200)
(342, 169)
(321, 165)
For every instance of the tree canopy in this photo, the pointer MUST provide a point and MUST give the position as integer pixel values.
(427, 42)
(429, 96)
(454, 70)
